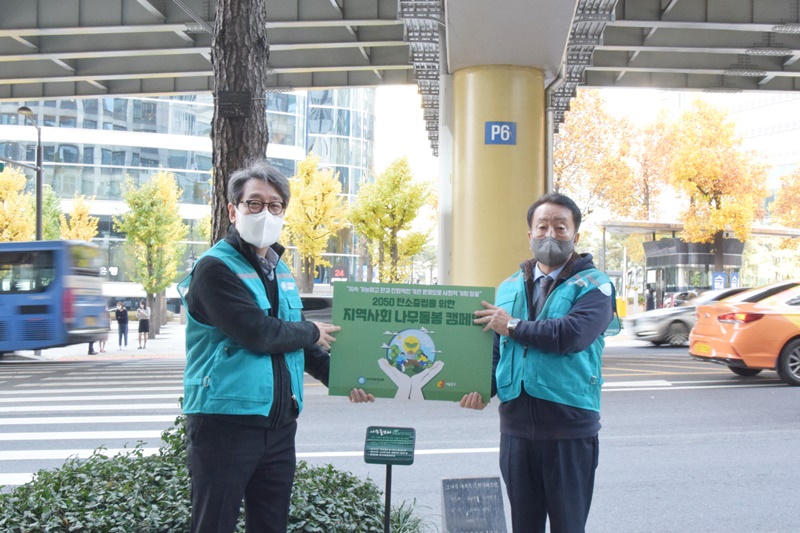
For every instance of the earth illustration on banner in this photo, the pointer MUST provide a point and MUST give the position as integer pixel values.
(411, 351)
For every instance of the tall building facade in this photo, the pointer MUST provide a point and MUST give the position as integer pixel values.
(92, 146)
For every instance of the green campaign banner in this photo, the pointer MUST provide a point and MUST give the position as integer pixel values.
(415, 342)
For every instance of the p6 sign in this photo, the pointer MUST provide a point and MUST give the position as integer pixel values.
(500, 133)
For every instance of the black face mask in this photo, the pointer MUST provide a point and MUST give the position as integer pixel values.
(552, 252)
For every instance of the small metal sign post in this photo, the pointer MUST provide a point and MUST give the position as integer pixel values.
(389, 446)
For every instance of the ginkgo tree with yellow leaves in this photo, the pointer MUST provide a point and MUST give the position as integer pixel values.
(79, 225)
(383, 213)
(786, 207)
(725, 185)
(17, 218)
(318, 212)
(589, 156)
(153, 229)
(649, 156)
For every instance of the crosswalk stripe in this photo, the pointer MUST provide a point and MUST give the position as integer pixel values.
(115, 375)
(35, 421)
(172, 406)
(17, 392)
(85, 382)
(82, 435)
(88, 403)
(88, 398)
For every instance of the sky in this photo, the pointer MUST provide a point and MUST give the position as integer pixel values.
(400, 130)
(400, 126)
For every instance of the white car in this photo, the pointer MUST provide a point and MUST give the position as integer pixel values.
(671, 325)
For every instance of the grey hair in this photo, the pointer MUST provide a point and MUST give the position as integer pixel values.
(260, 170)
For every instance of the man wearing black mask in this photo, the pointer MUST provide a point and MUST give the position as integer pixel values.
(549, 319)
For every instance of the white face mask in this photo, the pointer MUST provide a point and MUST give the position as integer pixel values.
(260, 229)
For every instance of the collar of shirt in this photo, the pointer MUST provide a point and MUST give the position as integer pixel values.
(269, 263)
(554, 274)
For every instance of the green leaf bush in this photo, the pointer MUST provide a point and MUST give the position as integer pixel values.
(137, 493)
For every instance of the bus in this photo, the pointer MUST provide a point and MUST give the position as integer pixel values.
(51, 294)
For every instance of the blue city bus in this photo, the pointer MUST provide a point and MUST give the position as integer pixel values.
(51, 294)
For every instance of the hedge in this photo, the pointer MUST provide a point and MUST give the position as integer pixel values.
(134, 493)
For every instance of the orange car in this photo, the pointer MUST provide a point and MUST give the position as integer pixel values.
(752, 331)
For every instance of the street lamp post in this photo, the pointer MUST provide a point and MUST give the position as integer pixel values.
(26, 112)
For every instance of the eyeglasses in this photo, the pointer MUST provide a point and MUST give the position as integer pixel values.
(256, 206)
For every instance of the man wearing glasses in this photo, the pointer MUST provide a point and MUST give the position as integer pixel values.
(247, 347)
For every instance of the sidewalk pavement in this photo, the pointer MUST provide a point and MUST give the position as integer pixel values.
(170, 342)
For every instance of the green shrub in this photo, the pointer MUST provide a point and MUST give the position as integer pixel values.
(134, 493)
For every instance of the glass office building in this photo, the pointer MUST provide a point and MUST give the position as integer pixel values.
(91, 146)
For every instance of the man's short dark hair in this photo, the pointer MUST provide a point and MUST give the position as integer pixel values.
(558, 199)
(260, 170)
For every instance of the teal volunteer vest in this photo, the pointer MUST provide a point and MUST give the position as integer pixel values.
(222, 377)
(573, 379)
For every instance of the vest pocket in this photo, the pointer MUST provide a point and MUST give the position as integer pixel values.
(567, 372)
(505, 367)
(240, 375)
(294, 305)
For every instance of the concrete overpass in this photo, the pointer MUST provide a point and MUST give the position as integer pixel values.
(488, 73)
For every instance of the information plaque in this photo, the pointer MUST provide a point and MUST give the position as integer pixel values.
(473, 505)
(232, 104)
(389, 445)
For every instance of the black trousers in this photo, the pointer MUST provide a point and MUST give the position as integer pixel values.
(549, 478)
(229, 462)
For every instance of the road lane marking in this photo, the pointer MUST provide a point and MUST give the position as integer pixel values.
(44, 455)
(678, 386)
(649, 383)
(360, 453)
(15, 479)
(21, 478)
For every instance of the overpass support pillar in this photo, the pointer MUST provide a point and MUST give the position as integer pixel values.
(498, 144)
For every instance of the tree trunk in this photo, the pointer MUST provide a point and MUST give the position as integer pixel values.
(381, 262)
(158, 314)
(305, 280)
(240, 59)
(364, 258)
(152, 302)
(370, 263)
(394, 258)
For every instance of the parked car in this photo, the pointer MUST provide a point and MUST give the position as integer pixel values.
(672, 325)
(317, 307)
(753, 331)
